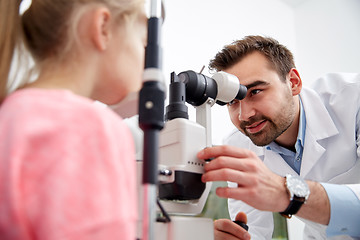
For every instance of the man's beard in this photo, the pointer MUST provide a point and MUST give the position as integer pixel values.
(273, 129)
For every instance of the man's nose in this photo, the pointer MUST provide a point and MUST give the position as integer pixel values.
(246, 111)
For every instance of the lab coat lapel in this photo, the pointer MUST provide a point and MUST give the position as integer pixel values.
(277, 164)
(312, 153)
(319, 126)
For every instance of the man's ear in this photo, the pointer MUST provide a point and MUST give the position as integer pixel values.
(101, 28)
(295, 81)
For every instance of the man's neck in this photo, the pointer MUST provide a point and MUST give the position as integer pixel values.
(288, 138)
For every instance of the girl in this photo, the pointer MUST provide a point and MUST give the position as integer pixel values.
(67, 164)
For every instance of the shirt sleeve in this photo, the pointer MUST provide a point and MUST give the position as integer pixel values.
(345, 211)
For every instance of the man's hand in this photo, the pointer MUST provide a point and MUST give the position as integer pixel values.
(226, 229)
(258, 186)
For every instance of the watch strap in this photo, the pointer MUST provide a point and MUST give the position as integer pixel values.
(294, 206)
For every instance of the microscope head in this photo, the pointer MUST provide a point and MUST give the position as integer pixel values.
(196, 89)
(222, 87)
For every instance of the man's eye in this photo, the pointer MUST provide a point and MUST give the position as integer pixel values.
(233, 102)
(255, 91)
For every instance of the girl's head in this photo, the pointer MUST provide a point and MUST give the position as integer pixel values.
(63, 33)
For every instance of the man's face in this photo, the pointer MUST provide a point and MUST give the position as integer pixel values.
(268, 109)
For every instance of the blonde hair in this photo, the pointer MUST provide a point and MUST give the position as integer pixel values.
(47, 29)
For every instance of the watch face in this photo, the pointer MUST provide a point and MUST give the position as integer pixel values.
(297, 186)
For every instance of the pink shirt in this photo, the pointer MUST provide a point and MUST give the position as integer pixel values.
(67, 169)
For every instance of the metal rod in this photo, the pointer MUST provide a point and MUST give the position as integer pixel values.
(151, 117)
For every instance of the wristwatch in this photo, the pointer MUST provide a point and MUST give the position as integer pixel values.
(298, 191)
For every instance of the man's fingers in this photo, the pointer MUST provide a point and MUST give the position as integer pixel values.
(229, 175)
(219, 235)
(241, 216)
(241, 219)
(223, 150)
(241, 164)
(225, 227)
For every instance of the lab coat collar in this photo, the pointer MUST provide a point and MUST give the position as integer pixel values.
(319, 126)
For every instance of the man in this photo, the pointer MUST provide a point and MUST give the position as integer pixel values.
(284, 129)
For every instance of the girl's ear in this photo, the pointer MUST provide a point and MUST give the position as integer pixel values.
(295, 81)
(100, 28)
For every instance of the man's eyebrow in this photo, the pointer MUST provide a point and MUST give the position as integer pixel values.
(256, 83)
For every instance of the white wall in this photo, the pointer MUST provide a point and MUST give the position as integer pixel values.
(327, 37)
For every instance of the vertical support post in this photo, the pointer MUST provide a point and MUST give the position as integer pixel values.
(203, 117)
(151, 116)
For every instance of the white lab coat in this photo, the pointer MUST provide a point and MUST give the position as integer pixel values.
(331, 152)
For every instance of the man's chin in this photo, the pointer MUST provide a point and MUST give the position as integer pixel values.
(258, 139)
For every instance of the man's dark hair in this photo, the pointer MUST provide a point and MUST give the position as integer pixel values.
(280, 58)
